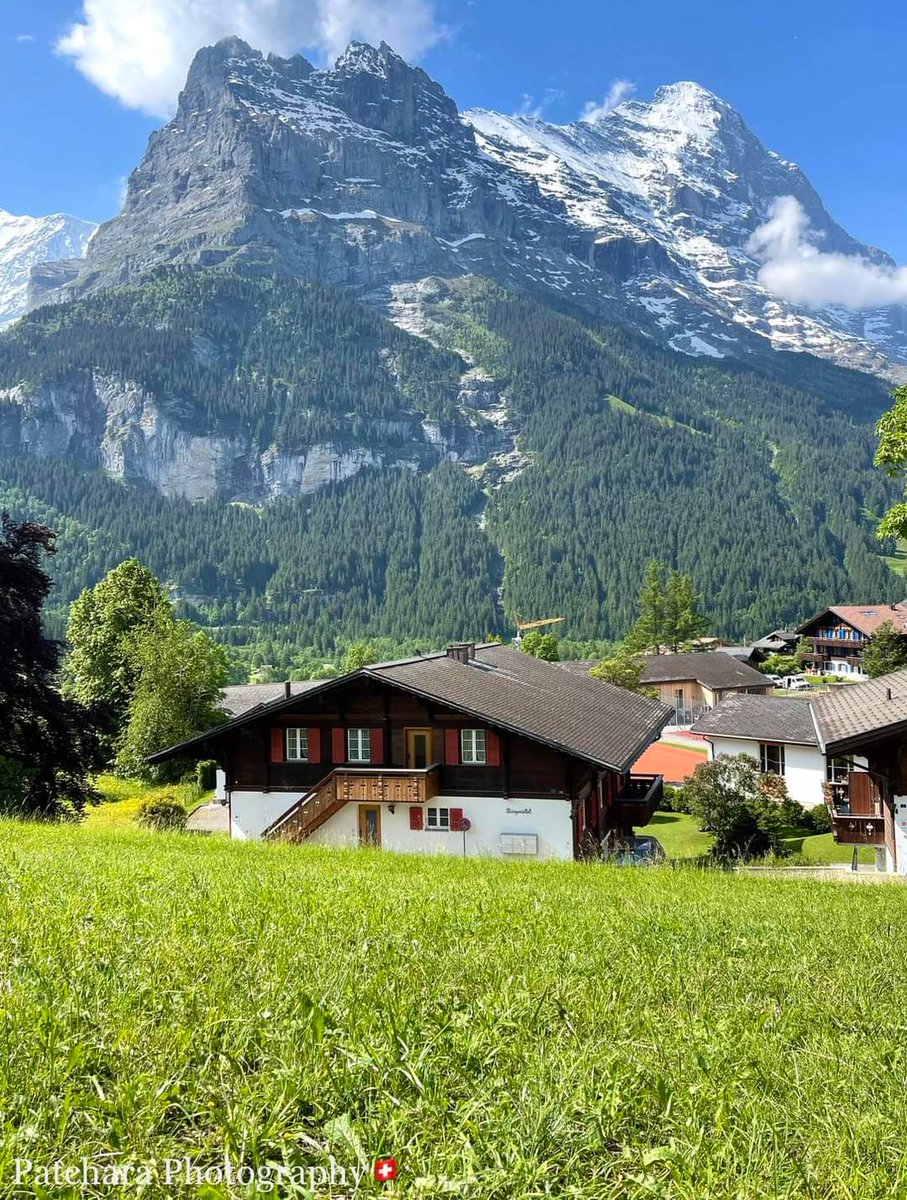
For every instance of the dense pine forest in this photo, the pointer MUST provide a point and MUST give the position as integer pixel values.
(761, 486)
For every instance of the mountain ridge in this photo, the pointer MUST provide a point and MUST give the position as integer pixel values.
(30, 242)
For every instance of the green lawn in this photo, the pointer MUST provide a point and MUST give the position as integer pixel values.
(682, 838)
(122, 799)
(506, 1030)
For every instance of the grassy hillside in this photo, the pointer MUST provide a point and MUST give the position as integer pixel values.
(506, 1030)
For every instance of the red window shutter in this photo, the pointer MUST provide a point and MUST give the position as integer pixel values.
(376, 740)
(416, 818)
(492, 748)
(277, 745)
(452, 746)
(456, 818)
(315, 745)
(338, 745)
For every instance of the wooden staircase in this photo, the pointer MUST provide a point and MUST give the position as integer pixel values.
(306, 814)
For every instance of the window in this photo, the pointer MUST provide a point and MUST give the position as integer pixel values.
(472, 746)
(837, 770)
(297, 745)
(438, 818)
(771, 758)
(359, 745)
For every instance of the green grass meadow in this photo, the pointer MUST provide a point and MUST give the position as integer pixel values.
(506, 1030)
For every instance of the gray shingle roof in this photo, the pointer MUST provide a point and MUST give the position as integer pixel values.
(861, 710)
(241, 697)
(760, 719)
(709, 667)
(596, 721)
(592, 720)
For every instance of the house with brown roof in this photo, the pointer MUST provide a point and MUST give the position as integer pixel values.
(691, 684)
(838, 635)
(481, 750)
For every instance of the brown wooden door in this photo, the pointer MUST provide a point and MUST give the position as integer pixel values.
(418, 749)
(370, 824)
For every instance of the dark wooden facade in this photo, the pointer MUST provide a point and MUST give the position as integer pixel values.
(603, 803)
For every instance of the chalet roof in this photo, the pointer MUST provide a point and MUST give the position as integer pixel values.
(588, 718)
(594, 720)
(861, 712)
(866, 618)
(760, 719)
(239, 698)
(712, 668)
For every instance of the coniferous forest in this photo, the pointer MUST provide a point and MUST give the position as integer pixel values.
(758, 483)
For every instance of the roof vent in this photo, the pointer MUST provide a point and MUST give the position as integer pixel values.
(462, 651)
(287, 689)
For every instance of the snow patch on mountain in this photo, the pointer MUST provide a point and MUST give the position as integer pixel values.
(25, 242)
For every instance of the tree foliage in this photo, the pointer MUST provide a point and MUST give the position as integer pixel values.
(669, 613)
(540, 645)
(47, 742)
(886, 652)
(623, 669)
(732, 801)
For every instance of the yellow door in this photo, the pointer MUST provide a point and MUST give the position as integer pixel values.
(418, 749)
(370, 824)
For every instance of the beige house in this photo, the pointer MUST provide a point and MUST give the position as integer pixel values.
(691, 684)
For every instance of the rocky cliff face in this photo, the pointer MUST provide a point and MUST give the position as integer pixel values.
(29, 242)
(105, 422)
(367, 176)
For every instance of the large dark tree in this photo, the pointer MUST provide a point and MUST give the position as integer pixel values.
(47, 743)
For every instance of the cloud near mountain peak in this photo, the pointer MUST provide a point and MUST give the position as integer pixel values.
(139, 53)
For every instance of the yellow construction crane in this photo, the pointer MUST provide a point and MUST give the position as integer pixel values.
(521, 625)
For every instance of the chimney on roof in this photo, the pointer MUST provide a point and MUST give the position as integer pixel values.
(286, 688)
(462, 651)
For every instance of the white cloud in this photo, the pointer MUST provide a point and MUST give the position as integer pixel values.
(794, 268)
(140, 52)
(619, 91)
(25, 37)
(529, 107)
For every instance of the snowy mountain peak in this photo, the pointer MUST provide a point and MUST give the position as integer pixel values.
(27, 242)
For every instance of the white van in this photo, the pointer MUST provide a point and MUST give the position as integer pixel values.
(795, 683)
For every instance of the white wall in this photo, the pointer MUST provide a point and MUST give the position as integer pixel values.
(804, 766)
(489, 816)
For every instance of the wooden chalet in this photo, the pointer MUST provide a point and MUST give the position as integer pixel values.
(868, 723)
(481, 750)
(837, 636)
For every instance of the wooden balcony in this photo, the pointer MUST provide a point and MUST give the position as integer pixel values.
(357, 785)
(859, 819)
(637, 800)
(387, 785)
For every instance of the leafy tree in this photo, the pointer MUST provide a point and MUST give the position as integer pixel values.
(47, 742)
(886, 652)
(892, 455)
(540, 645)
(104, 622)
(359, 654)
(623, 669)
(179, 673)
(731, 801)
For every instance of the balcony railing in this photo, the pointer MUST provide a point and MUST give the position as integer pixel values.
(638, 799)
(388, 785)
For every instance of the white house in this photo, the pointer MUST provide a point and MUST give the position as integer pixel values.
(780, 733)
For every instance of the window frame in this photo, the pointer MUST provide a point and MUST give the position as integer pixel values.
(363, 740)
(442, 819)
(764, 767)
(479, 744)
(302, 743)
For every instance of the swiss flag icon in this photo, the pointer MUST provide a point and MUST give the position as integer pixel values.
(385, 1169)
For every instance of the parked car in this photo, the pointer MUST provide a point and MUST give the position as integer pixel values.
(639, 851)
(776, 680)
(795, 683)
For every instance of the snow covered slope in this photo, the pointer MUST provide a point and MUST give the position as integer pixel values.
(25, 242)
(672, 190)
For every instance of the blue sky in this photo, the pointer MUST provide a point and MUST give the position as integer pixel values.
(822, 83)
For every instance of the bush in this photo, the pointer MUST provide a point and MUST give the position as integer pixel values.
(163, 812)
(674, 800)
(731, 800)
(206, 774)
(820, 819)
